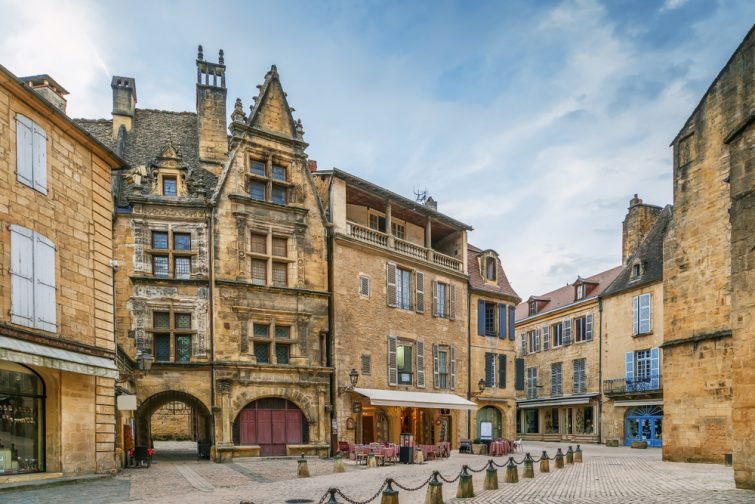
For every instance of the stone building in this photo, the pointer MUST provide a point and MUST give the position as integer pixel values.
(708, 278)
(631, 309)
(222, 277)
(492, 347)
(400, 298)
(559, 340)
(57, 350)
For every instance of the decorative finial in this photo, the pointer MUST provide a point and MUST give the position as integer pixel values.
(299, 128)
(221, 59)
(200, 53)
(238, 112)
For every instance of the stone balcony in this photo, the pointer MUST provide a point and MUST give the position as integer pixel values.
(403, 247)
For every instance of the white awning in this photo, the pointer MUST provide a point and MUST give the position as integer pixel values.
(380, 397)
(26, 352)
(560, 401)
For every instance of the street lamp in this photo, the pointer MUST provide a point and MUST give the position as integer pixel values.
(353, 378)
(481, 386)
(144, 361)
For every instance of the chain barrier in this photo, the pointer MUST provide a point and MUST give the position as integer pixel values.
(453, 480)
(408, 489)
(327, 494)
(478, 470)
(352, 501)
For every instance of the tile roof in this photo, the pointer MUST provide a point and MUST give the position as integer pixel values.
(564, 296)
(650, 253)
(476, 280)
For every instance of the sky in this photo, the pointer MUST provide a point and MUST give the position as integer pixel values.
(533, 121)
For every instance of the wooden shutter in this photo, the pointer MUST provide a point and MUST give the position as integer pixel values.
(546, 338)
(519, 374)
(567, 332)
(24, 150)
(480, 317)
(436, 368)
(502, 371)
(537, 339)
(44, 284)
(502, 321)
(390, 284)
(524, 343)
(489, 369)
(512, 322)
(22, 276)
(644, 313)
(452, 302)
(420, 281)
(420, 364)
(655, 368)
(452, 363)
(629, 367)
(40, 159)
(588, 327)
(435, 297)
(635, 315)
(392, 367)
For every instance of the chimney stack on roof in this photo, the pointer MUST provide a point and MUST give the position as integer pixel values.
(48, 89)
(124, 102)
(312, 165)
(639, 220)
(211, 117)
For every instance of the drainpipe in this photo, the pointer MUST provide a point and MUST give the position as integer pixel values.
(210, 312)
(469, 360)
(600, 370)
(331, 336)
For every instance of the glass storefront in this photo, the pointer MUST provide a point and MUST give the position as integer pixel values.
(22, 396)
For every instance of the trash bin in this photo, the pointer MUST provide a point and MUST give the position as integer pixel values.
(203, 449)
(406, 448)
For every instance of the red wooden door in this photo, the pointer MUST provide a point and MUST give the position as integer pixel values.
(248, 426)
(271, 426)
(293, 427)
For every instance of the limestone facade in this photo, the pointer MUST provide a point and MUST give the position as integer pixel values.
(708, 291)
(56, 305)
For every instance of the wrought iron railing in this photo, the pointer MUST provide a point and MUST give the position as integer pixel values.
(634, 385)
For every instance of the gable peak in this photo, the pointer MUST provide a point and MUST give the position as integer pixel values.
(271, 111)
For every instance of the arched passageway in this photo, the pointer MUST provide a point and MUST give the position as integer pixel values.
(200, 422)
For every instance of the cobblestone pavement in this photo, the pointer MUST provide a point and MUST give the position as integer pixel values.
(608, 475)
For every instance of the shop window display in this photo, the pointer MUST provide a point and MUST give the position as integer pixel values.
(21, 420)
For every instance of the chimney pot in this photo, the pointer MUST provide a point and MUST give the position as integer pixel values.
(47, 88)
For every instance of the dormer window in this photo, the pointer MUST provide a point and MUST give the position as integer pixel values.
(533, 307)
(638, 269)
(170, 186)
(581, 291)
(490, 269)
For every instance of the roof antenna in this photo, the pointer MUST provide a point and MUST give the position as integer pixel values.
(420, 196)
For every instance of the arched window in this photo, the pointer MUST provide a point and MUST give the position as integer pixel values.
(490, 268)
(22, 413)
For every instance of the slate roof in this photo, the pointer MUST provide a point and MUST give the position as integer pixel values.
(649, 252)
(564, 296)
(477, 281)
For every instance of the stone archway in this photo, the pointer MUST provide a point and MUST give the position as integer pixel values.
(202, 418)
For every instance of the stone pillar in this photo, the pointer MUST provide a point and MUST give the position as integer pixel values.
(388, 219)
(429, 238)
(226, 435)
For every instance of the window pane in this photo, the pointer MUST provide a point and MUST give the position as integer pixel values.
(257, 190)
(183, 267)
(442, 362)
(183, 348)
(280, 247)
(161, 320)
(490, 268)
(261, 331)
(169, 186)
(278, 196)
(282, 332)
(183, 320)
(440, 299)
(259, 272)
(405, 358)
(279, 173)
(377, 223)
(262, 352)
(404, 289)
(279, 274)
(182, 241)
(160, 266)
(162, 347)
(159, 240)
(490, 319)
(258, 168)
(398, 230)
(259, 243)
(281, 353)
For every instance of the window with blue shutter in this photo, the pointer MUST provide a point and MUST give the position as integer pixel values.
(636, 315)
(655, 369)
(524, 343)
(45, 311)
(489, 370)
(33, 291)
(588, 327)
(512, 322)
(502, 371)
(502, 321)
(629, 370)
(644, 321)
(31, 154)
(546, 338)
(519, 374)
(567, 331)
(481, 317)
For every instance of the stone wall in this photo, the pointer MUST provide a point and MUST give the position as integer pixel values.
(173, 422)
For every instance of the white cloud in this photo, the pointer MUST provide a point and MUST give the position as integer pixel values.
(670, 5)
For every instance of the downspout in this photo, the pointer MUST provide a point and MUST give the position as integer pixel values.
(332, 340)
(210, 311)
(600, 368)
(469, 362)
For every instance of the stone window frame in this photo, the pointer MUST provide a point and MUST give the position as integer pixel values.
(270, 181)
(401, 342)
(171, 252)
(172, 311)
(364, 286)
(484, 260)
(270, 260)
(273, 322)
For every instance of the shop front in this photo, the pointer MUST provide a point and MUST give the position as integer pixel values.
(559, 419)
(644, 423)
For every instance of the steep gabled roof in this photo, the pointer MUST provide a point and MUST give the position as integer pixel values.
(477, 282)
(271, 112)
(649, 254)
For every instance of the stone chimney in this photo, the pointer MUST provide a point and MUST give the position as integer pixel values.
(124, 103)
(431, 203)
(47, 88)
(640, 218)
(211, 117)
(312, 165)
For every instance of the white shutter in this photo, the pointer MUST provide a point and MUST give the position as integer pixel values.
(452, 363)
(436, 380)
(452, 302)
(392, 366)
(390, 284)
(546, 338)
(44, 284)
(22, 276)
(567, 332)
(644, 313)
(40, 159)
(420, 301)
(537, 339)
(635, 315)
(24, 150)
(588, 327)
(420, 364)
(434, 285)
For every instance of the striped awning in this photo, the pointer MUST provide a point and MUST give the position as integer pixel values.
(380, 397)
(26, 352)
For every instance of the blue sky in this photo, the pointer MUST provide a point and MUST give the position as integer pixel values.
(535, 122)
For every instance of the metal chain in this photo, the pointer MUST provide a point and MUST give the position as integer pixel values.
(450, 481)
(352, 501)
(478, 470)
(402, 487)
(325, 496)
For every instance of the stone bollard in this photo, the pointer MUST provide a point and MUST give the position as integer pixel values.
(390, 496)
(570, 456)
(512, 473)
(302, 469)
(371, 460)
(491, 477)
(338, 465)
(529, 467)
(578, 455)
(545, 464)
(466, 487)
(332, 499)
(434, 490)
(419, 457)
(559, 459)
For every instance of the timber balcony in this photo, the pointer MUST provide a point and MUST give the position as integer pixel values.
(403, 247)
(638, 386)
